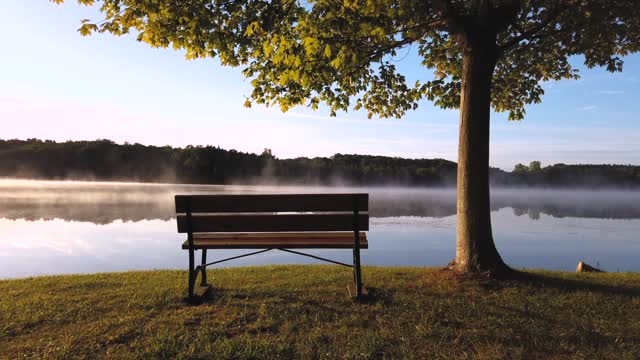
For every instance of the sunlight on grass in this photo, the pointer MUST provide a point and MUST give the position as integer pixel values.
(304, 311)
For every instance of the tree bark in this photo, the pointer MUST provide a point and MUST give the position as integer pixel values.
(475, 248)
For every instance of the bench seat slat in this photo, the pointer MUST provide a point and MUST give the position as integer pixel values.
(288, 240)
(271, 222)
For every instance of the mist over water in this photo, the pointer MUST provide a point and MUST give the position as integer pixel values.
(103, 203)
(68, 227)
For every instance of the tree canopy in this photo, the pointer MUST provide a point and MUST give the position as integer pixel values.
(338, 52)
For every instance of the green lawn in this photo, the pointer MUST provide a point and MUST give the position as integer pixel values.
(304, 312)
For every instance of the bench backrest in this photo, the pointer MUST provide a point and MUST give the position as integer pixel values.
(272, 213)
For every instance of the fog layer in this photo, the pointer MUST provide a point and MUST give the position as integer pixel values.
(104, 203)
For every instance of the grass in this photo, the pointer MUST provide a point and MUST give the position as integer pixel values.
(304, 312)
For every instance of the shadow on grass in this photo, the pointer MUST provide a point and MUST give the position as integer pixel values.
(571, 285)
(376, 296)
(212, 295)
(455, 282)
(215, 294)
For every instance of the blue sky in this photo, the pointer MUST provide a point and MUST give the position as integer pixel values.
(56, 84)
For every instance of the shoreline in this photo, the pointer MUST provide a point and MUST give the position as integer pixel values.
(311, 265)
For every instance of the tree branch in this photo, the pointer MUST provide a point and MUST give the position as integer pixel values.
(453, 20)
(382, 51)
(527, 34)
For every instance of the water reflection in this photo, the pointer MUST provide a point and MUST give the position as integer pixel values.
(104, 203)
(59, 227)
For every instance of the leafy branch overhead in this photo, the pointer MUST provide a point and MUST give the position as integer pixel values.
(338, 52)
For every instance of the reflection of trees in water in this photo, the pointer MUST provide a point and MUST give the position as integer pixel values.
(596, 210)
(559, 204)
(519, 211)
(109, 203)
(98, 213)
(534, 214)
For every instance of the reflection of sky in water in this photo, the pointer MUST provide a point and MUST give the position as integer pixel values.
(412, 227)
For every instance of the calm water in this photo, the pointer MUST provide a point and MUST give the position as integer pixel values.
(69, 227)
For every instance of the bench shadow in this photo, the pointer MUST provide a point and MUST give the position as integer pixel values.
(373, 296)
(571, 285)
(212, 295)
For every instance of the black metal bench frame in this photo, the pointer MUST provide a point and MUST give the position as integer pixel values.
(184, 205)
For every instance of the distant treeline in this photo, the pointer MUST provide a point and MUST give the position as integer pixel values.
(583, 176)
(107, 161)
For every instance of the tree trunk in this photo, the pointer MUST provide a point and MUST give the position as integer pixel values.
(475, 249)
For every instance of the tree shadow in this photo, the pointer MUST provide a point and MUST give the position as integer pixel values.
(513, 277)
(570, 285)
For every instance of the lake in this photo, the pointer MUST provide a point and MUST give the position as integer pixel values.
(49, 227)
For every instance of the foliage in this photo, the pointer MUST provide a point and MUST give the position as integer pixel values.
(519, 168)
(534, 166)
(106, 160)
(579, 175)
(340, 54)
(304, 312)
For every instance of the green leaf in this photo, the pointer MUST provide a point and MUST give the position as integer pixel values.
(327, 51)
(87, 29)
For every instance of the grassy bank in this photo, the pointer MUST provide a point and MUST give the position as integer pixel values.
(304, 312)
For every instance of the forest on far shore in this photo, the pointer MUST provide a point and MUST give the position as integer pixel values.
(105, 160)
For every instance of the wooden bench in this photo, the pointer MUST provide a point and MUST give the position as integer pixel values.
(268, 222)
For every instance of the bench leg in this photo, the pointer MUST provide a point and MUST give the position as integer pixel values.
(192, 278)
(357, 274)
(203, 277)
